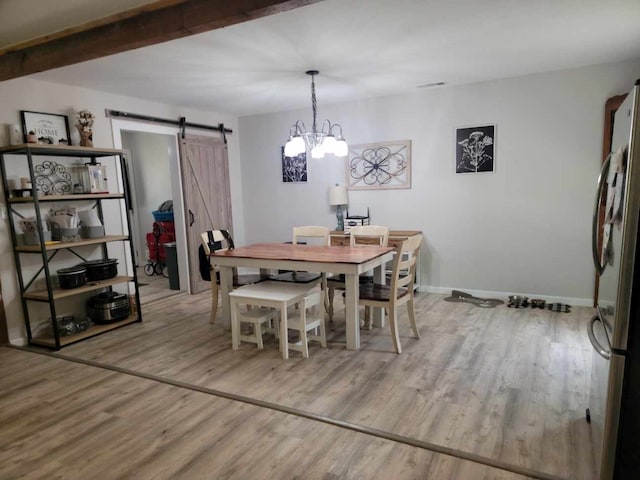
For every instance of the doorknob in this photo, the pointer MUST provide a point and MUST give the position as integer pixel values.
(192, 218)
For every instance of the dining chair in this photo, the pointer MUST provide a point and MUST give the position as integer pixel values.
(321, 236)
(399, 291)
(311, 231)
(219, 240)
(360, 235)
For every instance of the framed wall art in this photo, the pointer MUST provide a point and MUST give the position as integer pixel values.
(383, 165)
(475, 149)
(47, 127)
(294, 169)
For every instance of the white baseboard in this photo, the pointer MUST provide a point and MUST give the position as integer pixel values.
(578, 302)
(19, 342)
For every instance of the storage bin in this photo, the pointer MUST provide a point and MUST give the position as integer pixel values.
(159, 216)
(92, 232)
(33, 238)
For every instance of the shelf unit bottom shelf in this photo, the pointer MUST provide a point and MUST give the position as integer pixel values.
(96, 329)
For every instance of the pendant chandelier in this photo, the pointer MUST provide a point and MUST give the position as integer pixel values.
(328, 140)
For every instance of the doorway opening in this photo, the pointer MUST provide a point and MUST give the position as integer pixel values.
(152, 158)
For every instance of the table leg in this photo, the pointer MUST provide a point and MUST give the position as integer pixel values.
(226, 286)
(377, 315)
(352, 320)
(235, 324)
(284, 331)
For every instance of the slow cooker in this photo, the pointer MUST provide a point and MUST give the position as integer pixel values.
(73, 277)
(101, 269)
(108, 307)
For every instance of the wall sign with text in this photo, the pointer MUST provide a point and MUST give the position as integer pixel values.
(49, 128)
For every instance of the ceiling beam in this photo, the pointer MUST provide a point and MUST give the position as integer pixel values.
(138, 28)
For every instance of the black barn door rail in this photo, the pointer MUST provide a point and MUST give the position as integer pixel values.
(181, 122)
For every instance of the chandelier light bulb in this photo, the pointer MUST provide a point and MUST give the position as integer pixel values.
(341, 149)
(290, 149)
(294, 147)
(298, 145)
(329, 144)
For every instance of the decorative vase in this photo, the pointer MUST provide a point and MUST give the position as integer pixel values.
(15, 134)
(75, 137)
(86, 138)
(4, 135)
(84, 124)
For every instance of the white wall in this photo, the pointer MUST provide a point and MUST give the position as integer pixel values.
(29, 94)
(523, 229)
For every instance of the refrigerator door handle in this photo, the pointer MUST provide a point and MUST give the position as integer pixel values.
(600, 350)
(602, 180)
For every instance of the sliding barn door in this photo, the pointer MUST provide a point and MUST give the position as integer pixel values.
(207, 195)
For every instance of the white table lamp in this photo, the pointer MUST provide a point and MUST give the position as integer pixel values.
(339, 196)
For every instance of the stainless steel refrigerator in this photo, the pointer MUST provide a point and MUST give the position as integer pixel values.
(614, 331)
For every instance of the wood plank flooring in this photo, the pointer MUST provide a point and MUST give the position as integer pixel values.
(153, 287)
(507, 385)
(70, 421)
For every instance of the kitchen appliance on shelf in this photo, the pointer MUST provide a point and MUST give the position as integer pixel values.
(614, 330)
(108, 307)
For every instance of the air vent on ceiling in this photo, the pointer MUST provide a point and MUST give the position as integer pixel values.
(432, 84)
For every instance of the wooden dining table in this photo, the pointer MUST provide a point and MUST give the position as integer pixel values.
(350, 261)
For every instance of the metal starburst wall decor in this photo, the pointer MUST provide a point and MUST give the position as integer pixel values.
(384, 165)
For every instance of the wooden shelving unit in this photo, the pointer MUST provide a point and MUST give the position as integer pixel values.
(60, 198)
(95, 329)
(61, 245)
(43, 295)
(9, 159)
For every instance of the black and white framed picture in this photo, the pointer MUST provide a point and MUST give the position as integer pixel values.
(294, 169)
(475, 149)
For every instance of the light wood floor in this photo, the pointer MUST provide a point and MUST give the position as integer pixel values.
(509, 386)
(153, 287)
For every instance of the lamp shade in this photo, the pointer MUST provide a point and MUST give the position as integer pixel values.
(338, 195)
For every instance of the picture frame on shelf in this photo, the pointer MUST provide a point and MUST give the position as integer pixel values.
(49, 128)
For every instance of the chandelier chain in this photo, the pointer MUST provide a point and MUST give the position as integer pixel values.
(314, 103)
